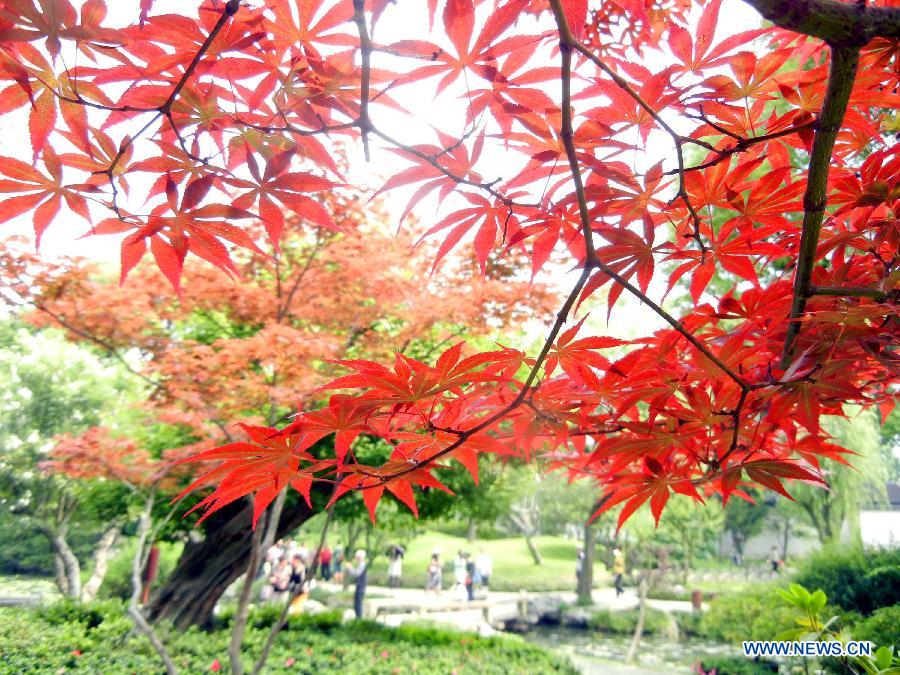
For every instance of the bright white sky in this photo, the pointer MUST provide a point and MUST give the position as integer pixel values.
(628, 319)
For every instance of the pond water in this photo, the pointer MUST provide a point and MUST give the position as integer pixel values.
(594, 652)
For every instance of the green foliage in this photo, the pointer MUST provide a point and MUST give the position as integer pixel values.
(266, 615)
(853, 578)
(743, 519)
(48, 386)
(849, 487)
(753, 614)
(69, 610)
(882, 627)
(25, 550)
(890, 445)
(29, 643)
(624, 621)
(736, 665)
(117, 583)
(812, 624)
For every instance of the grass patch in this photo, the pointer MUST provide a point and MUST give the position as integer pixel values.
(514, 568)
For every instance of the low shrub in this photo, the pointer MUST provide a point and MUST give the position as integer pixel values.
(30, 643)
(689, 623)
(753, 614)
(757, 613)
(117, 583)
(69, 610)
(656, 621)
(882, 627)
(853, 578)
(736, 665)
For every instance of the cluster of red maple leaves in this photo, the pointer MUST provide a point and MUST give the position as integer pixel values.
(222, 110)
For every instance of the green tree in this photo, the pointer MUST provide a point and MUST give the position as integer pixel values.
(849, 486)
(49, 386)
(745, 519)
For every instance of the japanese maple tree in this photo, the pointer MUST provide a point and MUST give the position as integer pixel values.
(780, 180)
(248, 352)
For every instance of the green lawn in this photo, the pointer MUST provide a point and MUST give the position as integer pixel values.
(514, 568)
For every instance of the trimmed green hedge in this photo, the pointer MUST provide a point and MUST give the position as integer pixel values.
(882, 628)
(736, 665)
(854, 579)
(96, 639)
(753, 614)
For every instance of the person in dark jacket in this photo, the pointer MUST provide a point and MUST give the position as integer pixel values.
(470, 577)
(360, 572)
(298, 572)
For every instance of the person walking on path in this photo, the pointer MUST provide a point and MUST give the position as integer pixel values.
(484, 568)
(459, 575)
(360, 573)
(325, 562)
(579, 567)
(774, 560)
(433, 582)
(280, 578)
(395, 565)
(470, 577)
(618, 570)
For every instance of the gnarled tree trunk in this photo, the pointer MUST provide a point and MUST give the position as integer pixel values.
(208, 567)
(70, 564)
(101, 562)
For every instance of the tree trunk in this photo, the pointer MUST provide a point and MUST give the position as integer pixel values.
(137, 565)
(243, 609)
(472, 531)
(101, 562)
(643, 588)
(586, 580)
(786, 539)
(62, 581)
(69, 562)
(207, 568)
(535, 554)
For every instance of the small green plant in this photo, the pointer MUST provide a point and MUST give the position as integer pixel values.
(608, 621)
(809, 626)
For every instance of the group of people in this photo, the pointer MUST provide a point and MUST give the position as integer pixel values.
(468, 572)
(290, 568)
(618, 568)
(288, 565)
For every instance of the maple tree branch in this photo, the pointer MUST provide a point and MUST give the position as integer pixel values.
(231, 8)
(137, 565)
(365, 45)
(848, 292)
(841, 24)
(487, 187)
(285, 306)
(567, 38)
(162, 110)
(100, 342)
(841, 75)
(567, 43)
(561, 318)
(741, 145)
